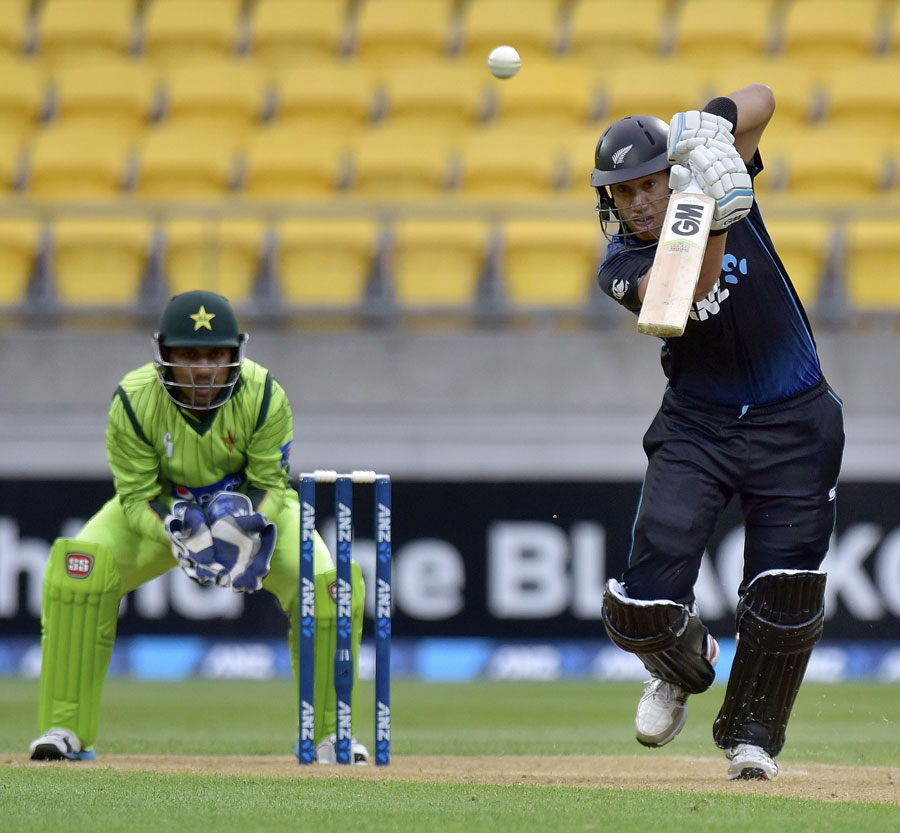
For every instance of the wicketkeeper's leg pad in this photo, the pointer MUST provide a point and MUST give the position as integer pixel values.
(780, 618)
(668, 637)
(326, 645)
(81, 597)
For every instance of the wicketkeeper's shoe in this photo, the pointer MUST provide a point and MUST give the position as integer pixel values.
(747, 762)
(59, 744)
(662, 710)
(326, 753)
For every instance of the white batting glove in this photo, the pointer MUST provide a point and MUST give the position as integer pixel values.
(692, 129)
(679, 178)
(722, 175)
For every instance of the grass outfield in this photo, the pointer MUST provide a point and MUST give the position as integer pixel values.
(576, 773)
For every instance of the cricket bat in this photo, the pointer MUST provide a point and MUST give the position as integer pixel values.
(673, 277)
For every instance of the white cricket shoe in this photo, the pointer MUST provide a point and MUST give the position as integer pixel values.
(662, 709)
(58, 744)
(747, 762)
(326, 753)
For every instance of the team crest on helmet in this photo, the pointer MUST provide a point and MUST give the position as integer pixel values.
(202, 318)
(617, 158)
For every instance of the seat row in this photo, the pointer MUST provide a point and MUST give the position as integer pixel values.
(340, 264)
(388, 31)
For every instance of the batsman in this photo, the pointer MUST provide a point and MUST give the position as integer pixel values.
(198, 442)
(746, 414)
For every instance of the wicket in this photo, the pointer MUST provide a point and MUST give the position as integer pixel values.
(343, 659)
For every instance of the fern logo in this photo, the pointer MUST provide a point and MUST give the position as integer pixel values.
(620, 154)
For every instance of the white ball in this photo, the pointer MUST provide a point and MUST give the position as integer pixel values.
(504, 62)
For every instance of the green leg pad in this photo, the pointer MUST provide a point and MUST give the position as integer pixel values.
(78, 627)
(325, 646)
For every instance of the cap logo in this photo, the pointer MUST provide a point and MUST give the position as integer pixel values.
(79, 564)
(617, 157)
(201, 319)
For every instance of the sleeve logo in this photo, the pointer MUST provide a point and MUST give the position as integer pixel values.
(79, 564)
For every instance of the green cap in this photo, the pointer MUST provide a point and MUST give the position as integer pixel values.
(199, 319)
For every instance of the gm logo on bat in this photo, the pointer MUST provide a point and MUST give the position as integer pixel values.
(688, 217)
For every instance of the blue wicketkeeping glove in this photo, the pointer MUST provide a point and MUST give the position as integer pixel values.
(244, 541)
(192, 542)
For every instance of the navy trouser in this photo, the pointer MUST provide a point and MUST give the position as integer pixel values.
(782, 462)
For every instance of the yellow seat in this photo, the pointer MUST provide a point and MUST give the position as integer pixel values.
(190, 31)
(438, 264)
(19, 241)
(871, 254)
(609, 33)
(529, 25)
(804, 246)
(183, 162)
(865, 93)
(13, 26)
(222, 255)
(325, 263)
(390, 32)
(718, 32)
(109, 96)
(22, 97)
(100, 262)
(326, 95)
(504, 164)
(297, 32)
(77, 163)
(401, 163)
(826, 31)
(11, 159)
(284, 162)
(83, 31)
(445, 96)
(653, 87)
(550, 263)
(221, 96)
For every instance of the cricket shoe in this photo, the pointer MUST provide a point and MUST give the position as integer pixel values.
(326, 752)
(662, 709)
(747, 762)
(59, 744)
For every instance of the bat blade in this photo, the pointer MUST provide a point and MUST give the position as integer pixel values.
(673, 277)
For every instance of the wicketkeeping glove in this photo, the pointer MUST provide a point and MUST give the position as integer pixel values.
(722, 174)
(693, 129)
(192, 542)
(244, 541)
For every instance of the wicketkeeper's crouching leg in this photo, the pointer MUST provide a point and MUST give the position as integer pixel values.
(325, 646)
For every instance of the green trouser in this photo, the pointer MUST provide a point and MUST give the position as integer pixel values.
(87, 577)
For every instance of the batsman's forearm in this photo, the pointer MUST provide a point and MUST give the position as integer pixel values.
(755, 106)
(712, 265)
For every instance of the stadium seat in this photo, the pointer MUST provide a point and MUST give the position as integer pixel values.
(864, 93)
(438, 264)
(223, 255)
(325, 263)
(109, 96)
(531, 25)
(446, 96)
(826, 31)
(22, 97)
(652, 87)
(100, 262)
(718, 32)
(220, 96)
(77, 163)
(402, 163)
(19, 241)
(804, 246)
(287, 33)
(189, 31)
(183, 162)
(871, 254)
(609, 33)
(82, 31)
(11, 148)
(286, 162)
(550, 263)
(325, 95)
(13, 27)
(391, 32)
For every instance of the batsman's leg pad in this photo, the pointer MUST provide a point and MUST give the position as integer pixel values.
(326, 645)
(81, 596)
(668, 637)
(780, 618)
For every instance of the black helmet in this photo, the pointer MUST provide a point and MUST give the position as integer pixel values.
(629, 148)
(198, 319)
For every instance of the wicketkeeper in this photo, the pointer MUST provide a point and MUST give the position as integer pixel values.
(198, 444)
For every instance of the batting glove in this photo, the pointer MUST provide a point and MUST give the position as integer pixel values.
(721, 174)
(693, 129)
(244, 541)
(192, 542)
